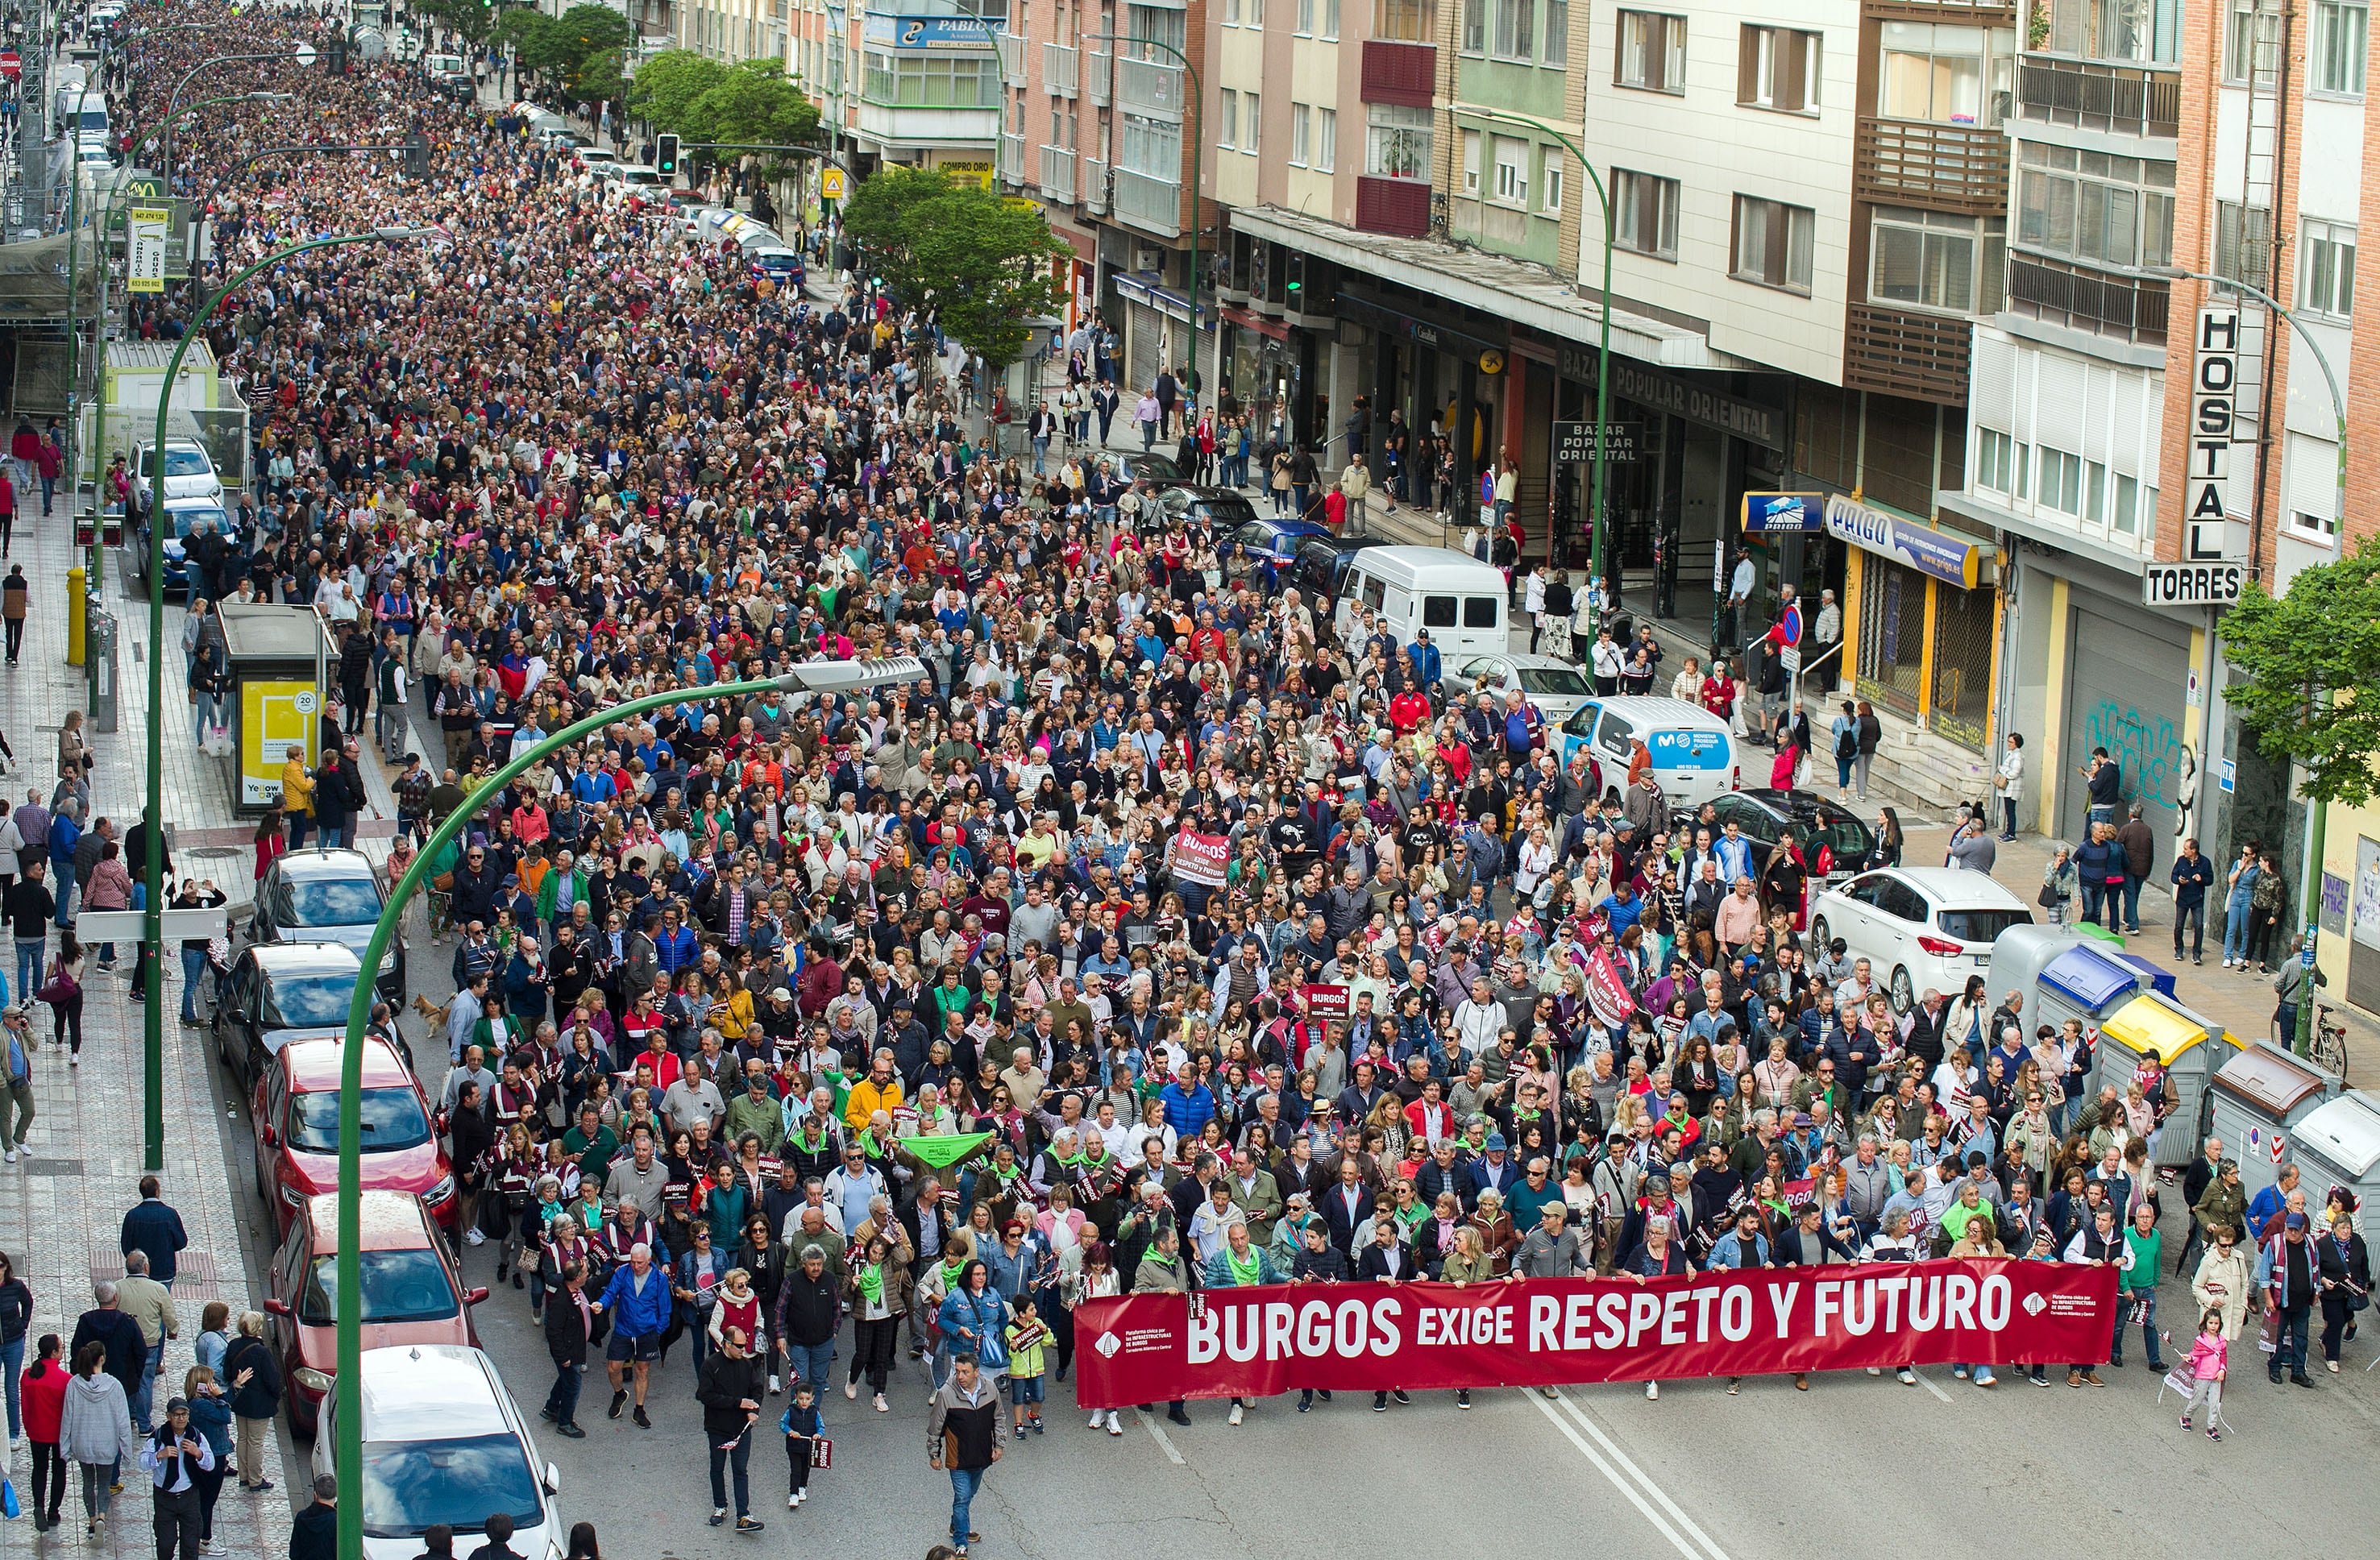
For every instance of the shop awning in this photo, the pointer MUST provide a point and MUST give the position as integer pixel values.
(1511, 289)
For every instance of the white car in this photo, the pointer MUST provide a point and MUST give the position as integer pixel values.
(1554, 686)
(1920, 928)
(189, 470)
(442, 1442)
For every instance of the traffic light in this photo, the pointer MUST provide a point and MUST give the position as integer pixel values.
(335, 56)
(665, 156)
(417, 156)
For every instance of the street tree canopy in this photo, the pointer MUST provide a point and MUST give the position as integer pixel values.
(984, 263)
(2306, 656)
(475, 19)
(579, 49)
(747, 104)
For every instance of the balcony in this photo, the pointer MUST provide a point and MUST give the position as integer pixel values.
(1097, 66)
(1900, 352)
(2121, 98)
(1959, 168)
(1148, 202)
(1955, 13)
(2107, 303)
(1095, 185)
(1011, 57)
(1058, 62)
(1011, 160)
(1146, 87)
(1399, 207)
(1399, 73)
(1057, 175)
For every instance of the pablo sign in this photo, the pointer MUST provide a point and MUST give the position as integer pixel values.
(1370, 1338)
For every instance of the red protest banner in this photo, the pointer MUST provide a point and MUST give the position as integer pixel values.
(1607, 991)
(1200, 858)
(1553, 1331)
(1328, 1002)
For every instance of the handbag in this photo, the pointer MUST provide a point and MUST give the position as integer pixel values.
(61, 987)
(2049, 898)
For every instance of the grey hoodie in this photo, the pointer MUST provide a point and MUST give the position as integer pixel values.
(94, 1425)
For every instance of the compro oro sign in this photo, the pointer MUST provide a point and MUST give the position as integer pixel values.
(144, 267)
(2192, 585)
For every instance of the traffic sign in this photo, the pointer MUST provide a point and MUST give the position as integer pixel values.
(1574, 442)
(832, 183)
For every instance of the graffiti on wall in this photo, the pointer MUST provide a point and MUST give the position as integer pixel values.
(2149, 748)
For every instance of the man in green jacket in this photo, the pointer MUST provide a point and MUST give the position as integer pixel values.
(2138, 1286)
(756, 1110)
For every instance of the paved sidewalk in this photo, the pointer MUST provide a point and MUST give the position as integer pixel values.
(61, 1206)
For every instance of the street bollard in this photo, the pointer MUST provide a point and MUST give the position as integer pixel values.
(74, 616)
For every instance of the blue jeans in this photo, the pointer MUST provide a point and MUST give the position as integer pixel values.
(66, 892)
(2095, 897)
(194, 971)
(812, 1362)
(202, 715)
(12, 1365)
(2295, 1323)
(31, 951)
(965, 1482)
(145, 1395)
(2235, 927)
(2125, 1301)
(2133, 902)
(562, 1401)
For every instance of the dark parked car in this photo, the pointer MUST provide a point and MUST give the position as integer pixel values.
(1835, 843)
(1322, 562)
(278, 992)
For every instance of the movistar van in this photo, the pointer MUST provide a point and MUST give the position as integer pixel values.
(1694, 755)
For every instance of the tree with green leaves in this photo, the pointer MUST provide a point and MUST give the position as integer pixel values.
(2307, 656)
(668, 85)
(475, 19)
(986, 264)
(571, 50)
(753, 104)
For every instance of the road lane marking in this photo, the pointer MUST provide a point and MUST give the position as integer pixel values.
(1164, 1442)
(1927, 1381)
(1678, 1512)
(1635, 1496)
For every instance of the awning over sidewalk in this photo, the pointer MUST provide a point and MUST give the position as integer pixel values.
(1516, 290)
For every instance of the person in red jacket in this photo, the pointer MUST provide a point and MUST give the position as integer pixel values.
(43, 1392)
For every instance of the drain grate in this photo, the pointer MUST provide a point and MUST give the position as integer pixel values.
(46, 1167)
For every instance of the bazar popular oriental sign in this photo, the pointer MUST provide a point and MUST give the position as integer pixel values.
(1552, 1331)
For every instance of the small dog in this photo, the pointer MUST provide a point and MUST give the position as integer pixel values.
(432, 1015)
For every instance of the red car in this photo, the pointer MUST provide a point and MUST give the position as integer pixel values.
(412, 1292)
(297, 1107)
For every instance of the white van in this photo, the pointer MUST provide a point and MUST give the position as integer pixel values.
(1696, 756)
(1462, 602)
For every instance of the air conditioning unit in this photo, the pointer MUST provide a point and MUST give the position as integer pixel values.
(1147, 258)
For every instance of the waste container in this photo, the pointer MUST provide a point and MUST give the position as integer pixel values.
(2255, 1104)
(99, 656)
(2190, 1050)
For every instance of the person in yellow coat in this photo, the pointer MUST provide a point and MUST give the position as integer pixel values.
(296, 794)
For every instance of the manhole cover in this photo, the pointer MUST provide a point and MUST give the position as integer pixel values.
(215, 853)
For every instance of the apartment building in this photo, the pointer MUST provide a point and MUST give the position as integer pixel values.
(723, 30)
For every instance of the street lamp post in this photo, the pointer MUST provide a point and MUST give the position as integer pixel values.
(153, 867)
(347, 1424)
(2309, 884)
(1600, 595)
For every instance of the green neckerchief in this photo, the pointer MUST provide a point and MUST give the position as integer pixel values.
(1249, 1272)
(872, 1283)
(951, 1271)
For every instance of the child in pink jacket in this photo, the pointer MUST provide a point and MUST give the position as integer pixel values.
(2209, 1358)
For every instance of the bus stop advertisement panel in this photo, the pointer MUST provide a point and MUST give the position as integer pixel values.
(276, 665)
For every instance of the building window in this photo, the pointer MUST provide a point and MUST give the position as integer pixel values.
(2314, 527)
(2340, 29)
(1399, 20)
(1553, 199)
(1396, 142)
(1251, 121)
(1934, 260)
(2243, 244)
(1227, 119)
(930, 83)
(1301, 134)
(2060, 486)
(2126, 511)
(1995, 461)
(1645, 213)
(1652, 52)
(1945, 75)
(2141, 31)
(1231, 12)
(1471, 142)
(1774, 243)
(1325, 139)
(1557, 49)
(1776, 67)
(1517, 26)
(2330, 268)
(2095, 492)
(1474, 26)
(2091, 206)
(1306, 18)
(1511, 170)
(2251, 40)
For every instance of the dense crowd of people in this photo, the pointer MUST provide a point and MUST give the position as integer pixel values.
(813, 1035)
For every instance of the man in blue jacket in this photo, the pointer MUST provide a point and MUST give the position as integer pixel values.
(156, 1230)
(639, 1299)
(1425, 659)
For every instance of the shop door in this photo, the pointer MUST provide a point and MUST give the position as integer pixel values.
(2125, 695)
(1139, 351)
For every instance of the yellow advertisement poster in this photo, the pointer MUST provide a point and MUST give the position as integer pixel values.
(273, 718)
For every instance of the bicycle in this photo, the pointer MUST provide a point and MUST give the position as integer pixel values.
(2329, 1051)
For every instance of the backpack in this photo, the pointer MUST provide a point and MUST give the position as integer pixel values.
(1847, 743)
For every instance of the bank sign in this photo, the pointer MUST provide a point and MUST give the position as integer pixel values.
(1947, 558)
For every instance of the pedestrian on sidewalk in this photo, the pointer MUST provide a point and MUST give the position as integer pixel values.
(63, 991)
(2100, 867)
(2010, 782)
(2238, 894)
(1871, 736)
(152, 1229)
(44, 1394)
(2191, 875)
(17, 1048)
(28, 904)
(804, 1427)
(174, 1456)
(15, 597)
(211, 1417)
(253, 1371)
(95, 1431)
(1103, 402)
(1147, 412)
(151, 1304)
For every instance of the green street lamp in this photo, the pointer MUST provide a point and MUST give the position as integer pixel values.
(153, 869)
(817, 677)
(1602, 355)
(2309, 884)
